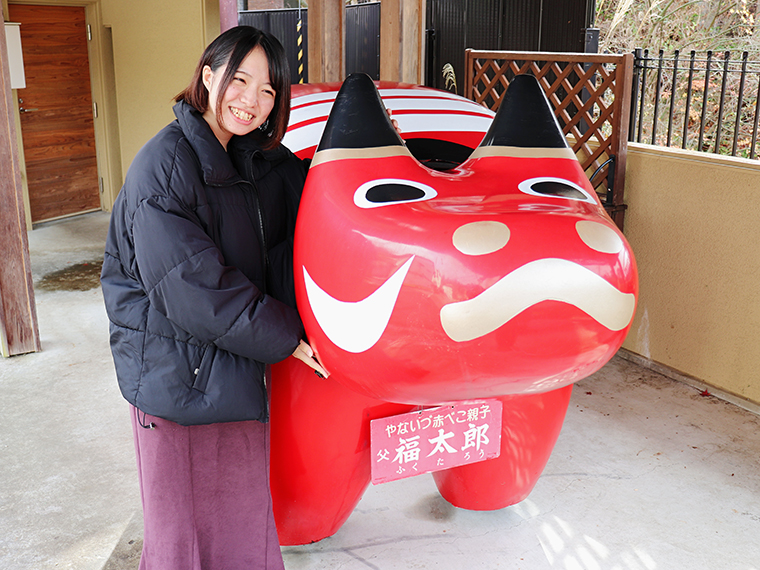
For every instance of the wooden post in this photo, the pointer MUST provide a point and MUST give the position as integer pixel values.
(327, 24)
(18, 317)
(623, 90)
(228, 15)
(402, 40)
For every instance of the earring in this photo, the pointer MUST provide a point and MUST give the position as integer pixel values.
(264, 126)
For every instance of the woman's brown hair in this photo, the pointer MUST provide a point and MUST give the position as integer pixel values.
(230, 49)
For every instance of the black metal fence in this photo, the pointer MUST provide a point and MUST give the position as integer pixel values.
(452, 26)
(706, 102)
(290, 26)
(363, 39)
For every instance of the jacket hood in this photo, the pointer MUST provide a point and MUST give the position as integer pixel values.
(249, 149)
(216, 164)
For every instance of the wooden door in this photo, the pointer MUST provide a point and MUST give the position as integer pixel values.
(57, 112)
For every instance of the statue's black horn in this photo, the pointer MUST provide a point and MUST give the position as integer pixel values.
(358, 118)
(525, 118)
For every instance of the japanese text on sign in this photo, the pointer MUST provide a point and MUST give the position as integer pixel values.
(434, 439)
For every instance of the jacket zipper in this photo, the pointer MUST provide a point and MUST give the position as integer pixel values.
(260, 217)
(263, 231)
(266, 271)
(252, 181)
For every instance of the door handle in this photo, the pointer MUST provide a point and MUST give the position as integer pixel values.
(22, 110)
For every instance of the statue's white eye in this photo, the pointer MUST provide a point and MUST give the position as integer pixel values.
(388, 191)
(555, 188)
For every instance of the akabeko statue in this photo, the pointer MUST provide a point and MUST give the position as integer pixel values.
(429, 271)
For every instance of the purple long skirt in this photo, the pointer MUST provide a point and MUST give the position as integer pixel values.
(205, 496)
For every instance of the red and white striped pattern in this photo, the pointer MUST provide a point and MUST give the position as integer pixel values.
(421, 112)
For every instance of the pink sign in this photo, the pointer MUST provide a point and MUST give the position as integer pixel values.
(434, 439)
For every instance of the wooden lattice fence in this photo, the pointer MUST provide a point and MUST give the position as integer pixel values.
(591, 97)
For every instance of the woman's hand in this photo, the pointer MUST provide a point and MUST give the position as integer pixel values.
(393, 121)
(305, 354)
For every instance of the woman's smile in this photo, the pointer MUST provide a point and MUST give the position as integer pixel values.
(241, 115)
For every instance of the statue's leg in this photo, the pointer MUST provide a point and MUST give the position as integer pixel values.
(320, 451)
(530, 427)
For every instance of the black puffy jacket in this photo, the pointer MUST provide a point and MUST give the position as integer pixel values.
(197, 274)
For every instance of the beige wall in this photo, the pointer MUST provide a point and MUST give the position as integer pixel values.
(693, 221)
(156, 46)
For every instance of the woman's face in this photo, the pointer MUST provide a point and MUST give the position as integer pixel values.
(247, 102)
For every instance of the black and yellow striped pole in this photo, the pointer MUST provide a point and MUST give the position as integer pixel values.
(299, 32)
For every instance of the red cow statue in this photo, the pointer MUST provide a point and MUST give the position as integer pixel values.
(429, 271)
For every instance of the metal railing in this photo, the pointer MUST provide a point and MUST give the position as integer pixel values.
(707, 103)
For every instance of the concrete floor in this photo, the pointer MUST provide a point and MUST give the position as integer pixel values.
(647, 473)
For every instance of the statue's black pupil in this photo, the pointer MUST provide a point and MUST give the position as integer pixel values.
(393, 193)
(552, 188)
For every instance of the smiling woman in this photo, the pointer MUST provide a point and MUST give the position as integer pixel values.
(254, 87)
(198, 284)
